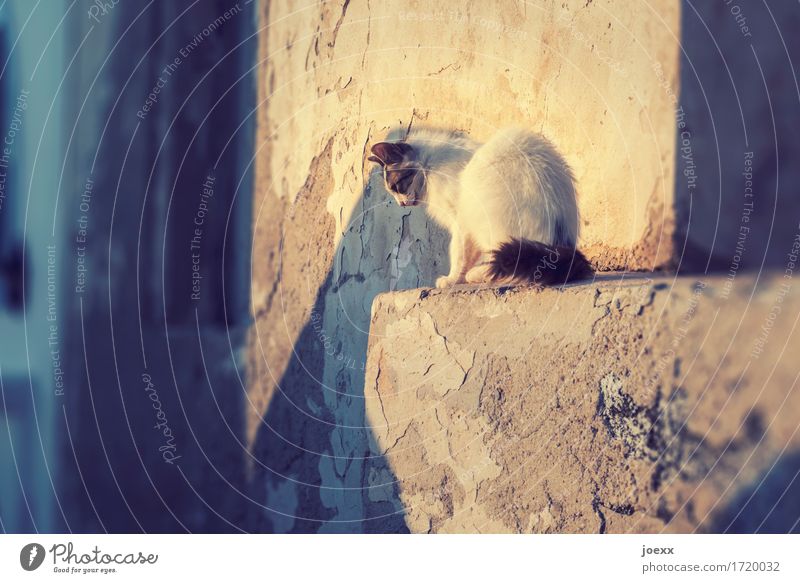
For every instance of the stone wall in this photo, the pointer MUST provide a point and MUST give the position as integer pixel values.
(629, 405)
(645, 101)
(598, 78)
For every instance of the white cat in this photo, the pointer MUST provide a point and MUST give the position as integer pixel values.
(509, 204)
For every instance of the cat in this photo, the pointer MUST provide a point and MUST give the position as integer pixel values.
(509, 204)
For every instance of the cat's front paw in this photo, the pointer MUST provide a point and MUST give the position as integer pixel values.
(445, 281)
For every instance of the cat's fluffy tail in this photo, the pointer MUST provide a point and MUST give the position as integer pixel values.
(522, 261)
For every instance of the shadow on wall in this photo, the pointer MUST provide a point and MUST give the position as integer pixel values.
(771, 504)
(736, 129)
(318, 468)
(316, 456)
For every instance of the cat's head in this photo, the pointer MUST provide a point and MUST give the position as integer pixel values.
(403, 175)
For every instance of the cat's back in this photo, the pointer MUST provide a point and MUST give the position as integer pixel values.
(440, 148)
(517, 149)
(523, 187)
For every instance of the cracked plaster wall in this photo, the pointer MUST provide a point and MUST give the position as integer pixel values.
(335, 76)
(629, 405)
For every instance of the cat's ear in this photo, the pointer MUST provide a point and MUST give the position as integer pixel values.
(390, 152)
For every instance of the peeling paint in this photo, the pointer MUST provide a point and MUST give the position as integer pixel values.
(573, 433)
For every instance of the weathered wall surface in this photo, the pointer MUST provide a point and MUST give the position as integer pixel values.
(628, 405)
(599, 79)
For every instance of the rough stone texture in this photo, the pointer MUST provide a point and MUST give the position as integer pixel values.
(621, 405)
(600, 79)
(339, 75)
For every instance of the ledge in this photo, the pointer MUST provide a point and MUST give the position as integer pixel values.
(626, 404)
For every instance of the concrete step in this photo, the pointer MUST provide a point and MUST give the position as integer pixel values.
(629, 404)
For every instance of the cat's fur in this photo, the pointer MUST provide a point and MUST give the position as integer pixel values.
(509, 204)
